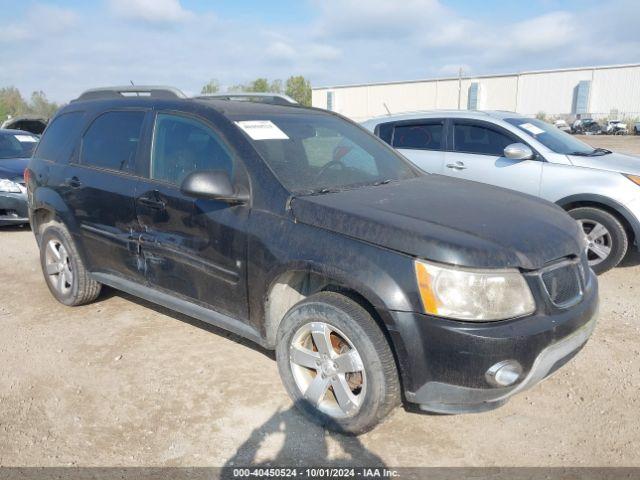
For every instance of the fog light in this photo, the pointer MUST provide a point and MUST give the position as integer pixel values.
(504, 373)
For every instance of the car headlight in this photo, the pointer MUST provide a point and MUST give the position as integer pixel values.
(473, 295)
(9, 186)
(634, 178)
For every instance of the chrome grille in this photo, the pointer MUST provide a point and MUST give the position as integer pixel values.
(563, 284)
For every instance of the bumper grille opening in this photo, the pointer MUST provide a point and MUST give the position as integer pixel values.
(563, 284)
(8, 213)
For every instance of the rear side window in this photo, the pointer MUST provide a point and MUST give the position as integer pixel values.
(182, 145)
(479, 140)
(112, 141)
(385, 131)
(426, 136)
(59, 138)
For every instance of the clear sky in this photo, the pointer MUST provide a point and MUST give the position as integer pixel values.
(64, 47)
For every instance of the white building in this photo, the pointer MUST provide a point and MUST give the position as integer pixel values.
(606, 91)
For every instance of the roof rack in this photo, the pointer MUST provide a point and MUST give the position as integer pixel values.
(262, 97)
(158, 92)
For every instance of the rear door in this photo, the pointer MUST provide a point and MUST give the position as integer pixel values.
(195, 248)
(98, 187)
(421, 141)
(477, 153)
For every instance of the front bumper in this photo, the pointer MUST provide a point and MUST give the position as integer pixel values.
(444, 362)
(13, 208)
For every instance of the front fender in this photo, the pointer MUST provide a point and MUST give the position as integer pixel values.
(620, 209)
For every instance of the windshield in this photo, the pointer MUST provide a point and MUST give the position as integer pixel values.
(551, 137)
(316, 153)
(17, 145)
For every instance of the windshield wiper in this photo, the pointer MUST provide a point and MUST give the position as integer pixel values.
(601, 151)
(381, 182)
(596, 152)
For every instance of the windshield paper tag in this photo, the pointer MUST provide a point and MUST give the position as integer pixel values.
(531, 128)
(262, 130)
(26, 138)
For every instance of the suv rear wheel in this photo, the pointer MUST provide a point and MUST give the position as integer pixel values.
(65, 273)
(336, 364)
(606, 237)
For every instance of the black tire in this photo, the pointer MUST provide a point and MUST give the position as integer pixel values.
(382, 392)
(619, 239)
(82, 289)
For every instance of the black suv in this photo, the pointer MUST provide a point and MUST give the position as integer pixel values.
(299, 230)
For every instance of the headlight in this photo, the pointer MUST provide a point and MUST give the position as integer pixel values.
(473, 295)
(9, 186)
(634, 178)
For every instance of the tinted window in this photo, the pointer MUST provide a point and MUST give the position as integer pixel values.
(385, 132)
(17, 145)
(480, 140)
(423, 137)
(182, 145)
(112, 141)
(311, 152)
(59, 138)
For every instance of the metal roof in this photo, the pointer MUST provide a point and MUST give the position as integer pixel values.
(475, 77)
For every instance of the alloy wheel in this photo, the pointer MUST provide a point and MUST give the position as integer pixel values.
(599, 243)
(58, 266)
(328, 370)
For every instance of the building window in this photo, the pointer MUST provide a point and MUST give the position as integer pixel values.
(330, 101)
(582, 96)
(474, 94)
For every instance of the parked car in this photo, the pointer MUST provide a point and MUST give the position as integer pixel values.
(16, 147)
(301, 231)
(586, 126)
(636, 128)
(598, 188)
(28, 123)
(562, 125)
(616, 127)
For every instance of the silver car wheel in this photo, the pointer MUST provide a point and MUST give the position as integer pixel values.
(58, 266)
(328, 369)
(599, 243)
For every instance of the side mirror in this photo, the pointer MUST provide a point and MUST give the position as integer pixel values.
(212, 185)
(518, 151)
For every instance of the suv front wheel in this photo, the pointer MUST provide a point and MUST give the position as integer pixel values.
(607, 240)
(336, 363)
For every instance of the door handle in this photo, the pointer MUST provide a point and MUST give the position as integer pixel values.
(152, 203)
(456, 166)
(73, 182)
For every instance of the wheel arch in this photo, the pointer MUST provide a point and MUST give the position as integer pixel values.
(626, 218)
(298, 281)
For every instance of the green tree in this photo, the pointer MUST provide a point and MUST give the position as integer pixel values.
(259, 85)
(41, 106)
(212, 87)
(12, 103)
(276, 86)
(299, 88)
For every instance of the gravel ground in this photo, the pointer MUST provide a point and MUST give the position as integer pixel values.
(124, 383)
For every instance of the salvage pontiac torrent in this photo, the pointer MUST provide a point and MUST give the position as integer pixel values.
(374, 282)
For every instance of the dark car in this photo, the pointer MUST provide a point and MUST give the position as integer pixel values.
(16, 147)
(301, 231)
(27, 123)
(586, 126)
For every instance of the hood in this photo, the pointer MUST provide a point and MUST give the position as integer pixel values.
(448, 220)
(613, 162)
(13, 168)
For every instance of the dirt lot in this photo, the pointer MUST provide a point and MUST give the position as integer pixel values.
(124, 383)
